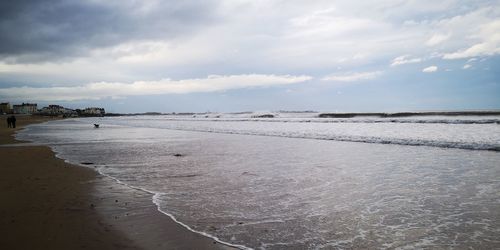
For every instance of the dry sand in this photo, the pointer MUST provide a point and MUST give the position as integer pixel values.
(46, 203)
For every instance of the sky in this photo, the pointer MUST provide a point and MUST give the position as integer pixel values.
(252, 55)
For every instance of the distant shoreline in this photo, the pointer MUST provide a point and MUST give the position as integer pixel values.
(330, 114)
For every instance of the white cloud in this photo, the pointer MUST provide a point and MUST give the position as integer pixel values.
(100, 90)
(352, 77)
(480, 49)
(437, 39)
(466, 66)
(430, 69)
(487, 42)
(400, 60)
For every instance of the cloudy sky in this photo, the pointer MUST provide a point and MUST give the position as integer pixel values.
(240, 55)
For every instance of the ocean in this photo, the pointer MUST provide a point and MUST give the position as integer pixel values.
(296, 181)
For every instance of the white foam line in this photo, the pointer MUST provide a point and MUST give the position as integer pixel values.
(338, 120)
(360, 139)
(156, 202)
(26, 128)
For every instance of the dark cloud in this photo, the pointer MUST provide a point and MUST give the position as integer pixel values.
(40, 30)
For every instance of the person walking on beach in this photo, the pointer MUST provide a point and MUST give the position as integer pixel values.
(13, 121)
(9, 122)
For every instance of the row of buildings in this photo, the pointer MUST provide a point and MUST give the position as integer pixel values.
(53, 110)
(25, 108)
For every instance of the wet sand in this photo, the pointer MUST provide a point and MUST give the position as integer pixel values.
(46, 203)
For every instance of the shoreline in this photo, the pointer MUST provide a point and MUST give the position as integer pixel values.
(154, 200)
(51, 204)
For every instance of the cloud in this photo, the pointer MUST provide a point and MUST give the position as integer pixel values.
(101, 90)
(68, 42)
(57, 29)
(480, 49)
(430, 69)
(437, 39)
(488, 36)
(400, 60)
(466, 66)
(352, 77)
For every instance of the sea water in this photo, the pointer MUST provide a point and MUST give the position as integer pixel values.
(300, 182)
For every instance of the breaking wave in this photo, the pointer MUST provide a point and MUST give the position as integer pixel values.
(363, 139)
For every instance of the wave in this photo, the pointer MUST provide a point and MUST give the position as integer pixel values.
(410, 114)
(341, 120)
(362, 139)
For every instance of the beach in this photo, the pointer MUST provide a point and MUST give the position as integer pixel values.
(297, 181)
(289, 182)
(47, 203)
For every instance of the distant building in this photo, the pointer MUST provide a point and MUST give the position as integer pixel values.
(57, 110)
(93, 111)
(25, 108)
(5, 108)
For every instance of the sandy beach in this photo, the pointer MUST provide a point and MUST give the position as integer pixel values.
(49, 204)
